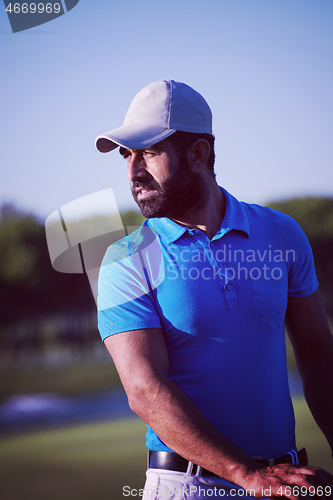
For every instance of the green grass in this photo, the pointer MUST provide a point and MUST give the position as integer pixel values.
(85, 462)
(96, 461)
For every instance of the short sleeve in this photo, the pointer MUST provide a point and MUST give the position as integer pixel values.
(302, 280)
(130, 270)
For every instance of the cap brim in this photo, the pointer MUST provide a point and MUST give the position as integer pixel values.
(132, 137)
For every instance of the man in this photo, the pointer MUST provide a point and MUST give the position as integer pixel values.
(192, 309)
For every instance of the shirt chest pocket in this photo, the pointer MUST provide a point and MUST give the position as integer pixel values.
(270, 300)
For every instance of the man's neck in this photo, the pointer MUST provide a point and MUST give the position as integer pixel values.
(210, 217)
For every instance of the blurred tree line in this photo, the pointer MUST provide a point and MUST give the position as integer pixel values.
(40, 305)
(315, 216)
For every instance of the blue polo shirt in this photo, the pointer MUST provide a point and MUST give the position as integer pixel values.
(221, 304)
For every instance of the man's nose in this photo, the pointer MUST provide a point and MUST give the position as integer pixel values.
(136, 167)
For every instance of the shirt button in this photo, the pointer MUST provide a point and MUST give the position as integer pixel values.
(211, 244)
(228, 287)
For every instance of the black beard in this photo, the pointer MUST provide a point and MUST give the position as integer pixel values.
(181, 193)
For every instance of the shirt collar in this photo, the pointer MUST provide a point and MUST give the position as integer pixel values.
(235, 215)
(235, 218)
(169, 230)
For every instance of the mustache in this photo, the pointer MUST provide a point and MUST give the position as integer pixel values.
(146, 184)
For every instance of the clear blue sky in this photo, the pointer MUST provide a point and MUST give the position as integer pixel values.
(264, 66)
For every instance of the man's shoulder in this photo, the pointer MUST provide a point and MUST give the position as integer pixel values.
(267, 213)
(267, 220)
(261, 210)
(131, 244)
(249, 216)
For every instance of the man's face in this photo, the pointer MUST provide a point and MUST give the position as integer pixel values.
(162, 182)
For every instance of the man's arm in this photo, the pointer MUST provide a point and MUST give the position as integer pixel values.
(312, 342)
(141, 359)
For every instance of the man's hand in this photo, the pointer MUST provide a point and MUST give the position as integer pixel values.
(290, 481)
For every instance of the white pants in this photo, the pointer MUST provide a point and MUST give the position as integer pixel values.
(172, 485)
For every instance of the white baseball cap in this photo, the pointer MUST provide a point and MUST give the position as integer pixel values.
(157, 112)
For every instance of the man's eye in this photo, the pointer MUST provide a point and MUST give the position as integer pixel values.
(148, 154)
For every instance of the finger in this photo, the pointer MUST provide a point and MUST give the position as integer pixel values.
(328, 476)
(322, 477)
(314, 475)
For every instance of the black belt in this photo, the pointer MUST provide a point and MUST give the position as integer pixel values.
(171, 461)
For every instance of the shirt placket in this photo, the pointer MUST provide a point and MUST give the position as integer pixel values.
(225, 278)
(228, 288)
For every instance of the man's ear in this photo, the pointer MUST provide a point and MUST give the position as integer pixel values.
(198, 154)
